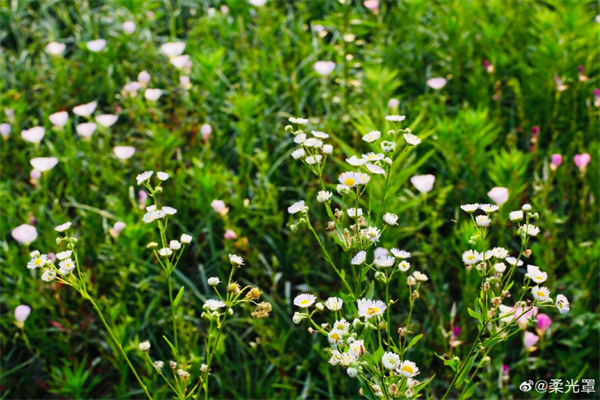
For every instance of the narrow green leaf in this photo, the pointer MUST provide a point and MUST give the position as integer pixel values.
(414, 341)
(178, 298)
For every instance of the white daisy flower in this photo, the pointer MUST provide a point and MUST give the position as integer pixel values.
(144, 346)
(370, 308)
(334, 303)
(96, 45)
(350, 179)
(470, 208)
(342, 325)
(175, 245)
(335, 358)
(300, 121)
(335, 337)
(531, 230)
(390, 219)
(500, 252)
(390, 360)
(298, 153)
(319, 134)
(163, 176)
(372, 234)
(37, 261)
(500, 267)
(144, 176)
(516, 215)
(562, 303)
(513, 261)
(404, 266)
(64, 254)
(359, 258)
(395, 118)
(169, 210)
(327, 149)
(85, 110)
(213, 305)
(67, 265)
(313, 142)
(371, 136)
(107, 120)
(408, 369)
(373, 157)
(535, 274)
(235, 259)
(49, 275)
(33, 135)
(304, 300)
(324, 196)
(347, 360)
(541, 293)
(55, 48)
(173, 49)
(185, 239)
(420, 276)
(355, 161)
(152, 94)
(213, 281)
(354, 213)
(400, 253)
(301, 138)
(59, 119)
(471, 257)
(63, 227)
(124, 152)
(488, 208)
(297, 207)
(483, 220)
(310, 160)
(357, 348)
(411, 139)
(165, 252)
(375, 169)
(159, 364)
(384, 261)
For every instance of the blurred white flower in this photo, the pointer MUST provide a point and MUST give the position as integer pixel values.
(206, 131)
(423, 183)
(43, 164)
(372, 5)
(395, 118)
(144, 346)
(86, 130)
(436, 83)
(22, 313)
(359, 258)
(185, 82)
(33, 135)
(173, 49)
(85, 110)
(5, 130)
(107, 120)
(185, 239)
(483, 220)
(143, 177)
(324, 68)
(96, 45)
(300, 121)
(390, 219)
(400, 253)
(63, 227)
(152, 94)
(214, 281)
(323, 196)
(34, 176)
(297, 207)
(144, 77)
(128, 27)
(258, 3)
(334, 303)
(371, 136)
(59, 119)
(304, 300)
(55, 48)
(24, 234)
(516, 215)
(124, 152)
(499, 195)
(163, 176)
(179, 62)
(370, 308)
(393, 103)
(131, 88)
(411, 139)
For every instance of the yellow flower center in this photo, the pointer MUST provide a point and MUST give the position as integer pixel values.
(539, 278)
(408, 369)
(37, 262)
(335, 336)
(305, 302)
(372, 311)
(541, 294)
(349, 181)
(560, 305)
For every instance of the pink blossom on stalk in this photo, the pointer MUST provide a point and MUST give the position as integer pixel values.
(556, 160)
(499, 195)
(488, 67)
(581, 161)
(455, 332)
(324, 68)
(559, 84)
(543, 322)
(206, 131)
(530, 340)
(142, 198)
(21, 314)
(436, 83)
(393, 103)
(372, 5)
(522, 320)
(230, 235)
(505, 369)
(597, 97)
(24, 234)
(219, 207)
(582, 77)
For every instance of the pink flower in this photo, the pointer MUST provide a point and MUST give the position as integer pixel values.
(499, 195)
(530, 340)
(556, 160)
(543, 321)
(423, 183)
(142, 197)
(582, 160)
(522, 321)
(230, 235)
(206, 131)
(436, 83)
(393, 103)
(219, 207)
(372, 5)
(21, 314)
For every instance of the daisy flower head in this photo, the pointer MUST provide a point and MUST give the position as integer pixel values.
(371, 136)
(355, 161)
(301, 138)
(373, 157)
(185, 239)
(327, 149)
(63, 254)
(335, 358)
(404, 266)
(375, 169)
(297, 207)
(500, 267)
(350, 179)
(165, 252)
(335, 337)
(342, 325)
(420, 276)
(395, 118)
(390, 360)
(408, 369)
(372, 234)
(535, 274)
(470, 208)
(313, 142)
(319, 134)
(298, 153)
(483, 220)
(163, 176)
(355, 212)
(541, 293)
(37, 261)
(370, 308)
(169, 210)
(500, 252)
(310, 160)
(488, 208)
(144, 346)
(531, 230)
(390, 219)
(213, 281)
(384, 261)
(334, 304)
(516, 215)
(235, 259)
(213, 305)
(526, 207)
(299, 121)
(514, 261)
(357, 348)
(324, 196)
(63, 227)
(562, 303)
(305, 300)
(159, 364)
(400, 253)
(49, 275)
(144, 176)
(175, 245)
(411, 139)
(359, 258)
(471, 257)
(67, 265)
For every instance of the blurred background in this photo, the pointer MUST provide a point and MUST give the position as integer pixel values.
(519, 86)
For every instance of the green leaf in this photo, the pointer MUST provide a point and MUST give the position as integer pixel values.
(474, 314)
(469, 391)
(378, 354)
(414, 341)
(452, 363)
(178, 298)
(173, 349)
(465, 370)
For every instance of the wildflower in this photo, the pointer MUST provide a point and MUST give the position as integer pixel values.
(55, 48)
(334, 337)
(144, 77)
(562, 303)
(313, 142)
(152, 94)
(411, 139)
(298, 153)
(327, 149)
(334, 304)
(423, 183)
(24, 234)
(393, 103)
(49, 275)
(33, 135)
(500, 267)
(499, 195)
(355, 212)
(169, 210)
(372, 234)
(499, 252)
(165, 252)
(342, 189)
(436, 83)
(408, 369)
(253, 294)
(144, 346)
(514, 261)
(359, 258)
(236, 260)
(541, 293)
(488, 208)
(183, 374)
(5, 130)
(404, 266)
(203, 368)
(300, 121)
(335, 358)
(530, 340)
(347, 360)
(172, 364)
(395, 118)
(304, 300)
(526, 207)
(301, 138)
(144, 176)
(324, 196)
(555, 161)
(516, 215)
(67, 265)
(179, 62)
(213, 305)
(543, 322)
(21, 314)
(59, 119)
(159, 365)
(471, 257)
(310, 160)
(37, 261)
(371, 136)
(107, 120)
(63, 254)
(535, 274)
(400, 253)
(96, 45)
(357, 348)
(174, 245)
(390, 219)
(230, 235)
(123, 152)
(373, 157)
(483, 220)
(185, 239)
(214, 281)
(419, 276)
(262, 310)
(172, 49)
(531, 230)
(384, 261)
(128, 27)
(324, 68)
(470, 208)
(582, 160)
(375, 169)
(390, 360)
(370, 308)
(43, 164)
(63, 227)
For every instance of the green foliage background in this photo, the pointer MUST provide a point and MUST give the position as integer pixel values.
(252, 69)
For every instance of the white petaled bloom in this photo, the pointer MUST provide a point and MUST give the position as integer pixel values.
(173, 49)
(359, 258)
(124, 152)
(43, 164)
(152, 94)
(172, 364)
(64, 254)
(342, 325)
(131, 88)
(350, 179)
(324, 68)
(404, 266)
(471, 257)
(411, 139)
(144, 77)
(203, 368)
(373, 157)
(24, 234)
(335, 337)
(357, 348)
(390, 219)
(500, 267)
(183, 374)
(144, 346)
(470, 208)
(531, 230)
(499, 195)
(175, 245)
(301, 138)
(395, 118)
(500, 252)
(49, 275)
(535, 274)
(483, 220)
(384, 261)
(371, 136)
(214, 305)
(342, 189)
(96, 45)
(335, 358)
(423, 183)
(526, 207)
(355, 161)
(370, 308)
(400, 253)
(375, 169)
(37, 261)
(128, 27)
(67, 265)
(562, 303)
(179, 62)
(310, 160)
(107, 120)
(372, 234)
(165, 252)
(298, 153)
(163, 176)
(319, 134)
(348, 360)
(5, 130)
(408, 369)
(297, 207)
(144, 176)
(300, 121)
(313, 142)
(153, 215)
(33, 135)
(390, 360)
(86, 130)
(63, 227)
(185, 239)
(354, 213)
(516, 215)
(59, 119)
(304, 300)
(541, 293)
(55, 48)
(327, 149)
(235, 259)
(514, 261)
(85, 110)
(488, 208)
(420, 276)
(159, 364)
(214, 281)
(324, 196)
(334, 303)
(436, 83)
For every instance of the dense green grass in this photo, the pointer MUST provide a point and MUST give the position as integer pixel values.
(252, 69)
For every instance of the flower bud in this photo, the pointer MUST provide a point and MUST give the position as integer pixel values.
(319, 307)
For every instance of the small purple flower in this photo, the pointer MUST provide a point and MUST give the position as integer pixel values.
(142, 197)
(530, 340)
(543, 322)
(580, 69)
(455, 332)
(582, 160)
(597, 93)
(505, 369)
(556, 160)
(535, 130)
(52, 257)
(486, 64)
